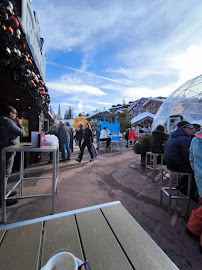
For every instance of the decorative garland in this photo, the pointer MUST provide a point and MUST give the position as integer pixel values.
(16, 58)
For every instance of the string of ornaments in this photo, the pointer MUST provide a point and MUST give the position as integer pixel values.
(16, 58)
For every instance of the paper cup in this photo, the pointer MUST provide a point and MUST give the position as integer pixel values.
(63, 261)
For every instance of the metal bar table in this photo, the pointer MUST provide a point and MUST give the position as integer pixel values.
(22, 148)
(106, 235)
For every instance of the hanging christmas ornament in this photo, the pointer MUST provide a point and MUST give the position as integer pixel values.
(10, 5)
(3, 26)
(9, 10)
(28, 71)
(18, 32)
(6, 16)
(18, 36)
(19, 53)
(15, 50)
(33, 83)
(8, 50)
(10, 30)
(15, 20)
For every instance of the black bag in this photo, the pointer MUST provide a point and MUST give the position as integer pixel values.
(94, 151)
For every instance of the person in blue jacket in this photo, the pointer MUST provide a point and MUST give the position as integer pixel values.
(176, 155)
(194, 225)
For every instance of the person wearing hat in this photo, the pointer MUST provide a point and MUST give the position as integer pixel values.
(176, 154)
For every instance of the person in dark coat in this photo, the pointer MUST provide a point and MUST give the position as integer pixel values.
(10, 131)
(127, 135)
(88, 139)
(176, 155)
(158, 140)
(80, 134)
(64, 140)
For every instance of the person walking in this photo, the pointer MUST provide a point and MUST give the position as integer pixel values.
(88, 139)
(10, 131)
(194, 225)
(64, 140)
(80, 134)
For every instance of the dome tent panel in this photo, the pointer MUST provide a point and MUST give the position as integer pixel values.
(184, 103)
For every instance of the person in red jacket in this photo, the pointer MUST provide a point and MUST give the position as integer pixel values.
(132, 135)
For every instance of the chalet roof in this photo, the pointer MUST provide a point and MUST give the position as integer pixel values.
(101, 113)
(154, 99)
(141, 117)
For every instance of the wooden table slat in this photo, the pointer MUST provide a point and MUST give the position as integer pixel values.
(100, 245)
(142, 251)
(61, 235)
(20, 248)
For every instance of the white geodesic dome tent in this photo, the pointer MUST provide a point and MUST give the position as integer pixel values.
(185, 103)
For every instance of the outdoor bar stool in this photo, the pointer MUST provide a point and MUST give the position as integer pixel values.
(153, 162)
(123, 144)
(102, 146)
(172, 176)
(115, 146)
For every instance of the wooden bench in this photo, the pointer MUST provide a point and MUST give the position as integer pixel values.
(105, 235)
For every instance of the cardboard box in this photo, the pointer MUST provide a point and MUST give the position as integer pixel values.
(37, 139)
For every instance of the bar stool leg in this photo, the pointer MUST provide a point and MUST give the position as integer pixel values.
(161, 199)
(146, 164)
(188, 193)
(177, 189)
(170, 192)
(154, 166)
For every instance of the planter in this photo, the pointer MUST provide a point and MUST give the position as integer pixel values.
(143, 159)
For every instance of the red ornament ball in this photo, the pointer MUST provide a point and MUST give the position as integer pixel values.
(10, 30)
(15, 20)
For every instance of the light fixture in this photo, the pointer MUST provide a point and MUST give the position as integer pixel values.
(17, 99)
(29, 107)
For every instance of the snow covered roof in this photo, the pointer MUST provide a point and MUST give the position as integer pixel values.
(153, 99)
(98, 113)
(141, 117)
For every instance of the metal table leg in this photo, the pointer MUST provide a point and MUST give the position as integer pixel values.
(54, 181)
(3, 185)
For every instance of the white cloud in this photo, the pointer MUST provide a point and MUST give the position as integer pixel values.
(152, 47)
(189, 64)
(69, 89)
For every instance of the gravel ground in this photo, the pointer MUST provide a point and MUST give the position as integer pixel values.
(113, 177)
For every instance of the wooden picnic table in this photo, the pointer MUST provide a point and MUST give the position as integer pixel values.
(105, 235)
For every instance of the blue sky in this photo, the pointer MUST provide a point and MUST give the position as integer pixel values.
(101, 52)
